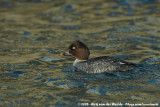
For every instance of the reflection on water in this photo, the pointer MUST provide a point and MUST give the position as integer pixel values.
(34, 32)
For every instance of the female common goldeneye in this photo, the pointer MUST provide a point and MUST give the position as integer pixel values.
(95, 65)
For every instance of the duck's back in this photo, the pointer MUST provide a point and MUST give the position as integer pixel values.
(104, 64)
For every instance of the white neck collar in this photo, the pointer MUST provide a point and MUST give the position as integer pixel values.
(77, 60)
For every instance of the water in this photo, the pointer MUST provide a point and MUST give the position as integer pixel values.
(33, 33)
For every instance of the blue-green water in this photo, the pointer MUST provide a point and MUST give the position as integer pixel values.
(33, 33)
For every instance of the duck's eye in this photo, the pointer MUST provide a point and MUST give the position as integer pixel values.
(73, 48)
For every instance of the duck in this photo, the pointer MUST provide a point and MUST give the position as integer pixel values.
(100, 64)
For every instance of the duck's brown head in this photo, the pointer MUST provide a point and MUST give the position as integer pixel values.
(78, 49)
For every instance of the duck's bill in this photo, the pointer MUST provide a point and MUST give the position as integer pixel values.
(66, 53)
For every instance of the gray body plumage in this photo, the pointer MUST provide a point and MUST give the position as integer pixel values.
(103, 64)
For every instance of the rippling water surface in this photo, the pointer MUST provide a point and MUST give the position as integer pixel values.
(33, 33)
